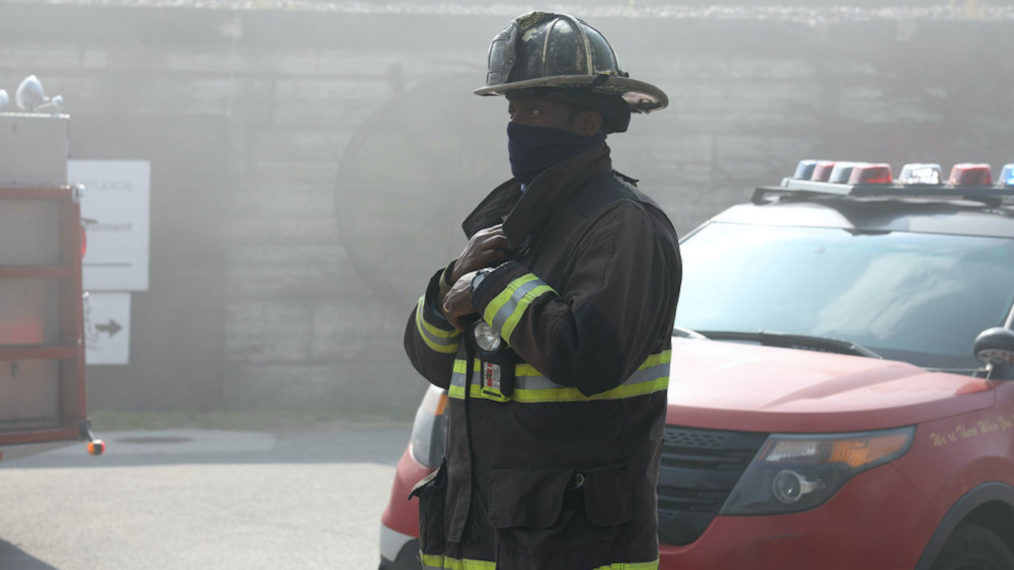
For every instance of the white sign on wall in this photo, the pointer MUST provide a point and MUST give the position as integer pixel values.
(115, 214)
(107, 328)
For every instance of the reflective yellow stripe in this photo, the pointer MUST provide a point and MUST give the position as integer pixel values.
(512, 321)
(664, 357)
(630, 566)
(438, 332)
(574, 395)
(494, 306)
(459, 365)
(458, 393)
(440, 340)
(441, 562)
(532, 388)
(457, 387)
(506, 309)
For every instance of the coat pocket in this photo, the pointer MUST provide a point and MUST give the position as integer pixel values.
(608, 497)
(526, 497)
(432, 493)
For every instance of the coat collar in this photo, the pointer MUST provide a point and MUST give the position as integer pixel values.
(524, 213)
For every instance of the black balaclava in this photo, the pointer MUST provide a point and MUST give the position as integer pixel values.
(534, 149)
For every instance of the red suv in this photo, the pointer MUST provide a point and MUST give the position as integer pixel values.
(838, 394)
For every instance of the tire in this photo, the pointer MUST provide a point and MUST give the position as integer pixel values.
(974, 547)
(408, 558)
(411, 173)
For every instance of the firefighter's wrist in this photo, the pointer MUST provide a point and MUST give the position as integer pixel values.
(458, 302)
(477, 278)
(495, 279)
(434, 300)
(444, 282)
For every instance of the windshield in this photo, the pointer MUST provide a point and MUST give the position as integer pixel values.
(922, 298)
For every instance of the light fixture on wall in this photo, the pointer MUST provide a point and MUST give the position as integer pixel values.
(29, 94)
(31, 98)
(4, 99)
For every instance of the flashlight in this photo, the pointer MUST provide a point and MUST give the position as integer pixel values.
(486, 339)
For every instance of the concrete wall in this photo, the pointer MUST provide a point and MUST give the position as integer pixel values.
(310, 168)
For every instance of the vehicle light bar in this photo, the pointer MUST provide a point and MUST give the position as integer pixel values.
(920, 174)
(969, 174)
(967, 181)
(1007, 175)
(822, 171)
(871, 174)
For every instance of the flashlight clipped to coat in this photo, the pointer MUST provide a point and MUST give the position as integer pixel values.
(497, 359)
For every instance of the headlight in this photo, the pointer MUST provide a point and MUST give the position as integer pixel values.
(798, 472)
(429, 428)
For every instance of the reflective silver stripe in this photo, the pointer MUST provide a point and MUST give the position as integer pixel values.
(511, 305)
(542, 383)
(457, 387)
(440, 340)
(515, 300)
(531, 387)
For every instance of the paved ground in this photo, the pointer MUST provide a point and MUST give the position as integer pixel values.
(307, 498)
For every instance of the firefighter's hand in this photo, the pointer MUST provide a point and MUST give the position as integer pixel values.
(458, 302)
(487, 248)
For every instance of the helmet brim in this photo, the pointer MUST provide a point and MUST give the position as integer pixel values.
(642, 97)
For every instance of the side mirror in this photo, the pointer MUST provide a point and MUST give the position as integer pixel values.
(995, 347)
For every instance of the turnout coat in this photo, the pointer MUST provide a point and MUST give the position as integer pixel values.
(552, 458)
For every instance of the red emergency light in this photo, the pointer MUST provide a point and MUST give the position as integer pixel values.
(822, 171)
(971, 174)
(863, 173)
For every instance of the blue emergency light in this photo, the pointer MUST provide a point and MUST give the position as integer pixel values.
(805, 169)
(1007, 175)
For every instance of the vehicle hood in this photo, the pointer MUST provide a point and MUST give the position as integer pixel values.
(738, 386)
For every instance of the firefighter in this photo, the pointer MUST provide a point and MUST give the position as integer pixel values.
(551, 331)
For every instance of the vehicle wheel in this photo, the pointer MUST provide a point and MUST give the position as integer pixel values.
(974, 547)
(411, 173)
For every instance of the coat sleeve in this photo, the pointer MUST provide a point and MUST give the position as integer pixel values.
(615, 306)
(431, 342)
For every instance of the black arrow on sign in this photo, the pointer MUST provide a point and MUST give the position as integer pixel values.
(112, 328)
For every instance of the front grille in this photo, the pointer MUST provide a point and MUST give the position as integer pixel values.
(699, 470)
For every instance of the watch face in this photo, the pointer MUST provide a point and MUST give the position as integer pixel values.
(479, 276)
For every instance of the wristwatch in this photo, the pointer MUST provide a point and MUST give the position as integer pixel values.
(478, 278)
